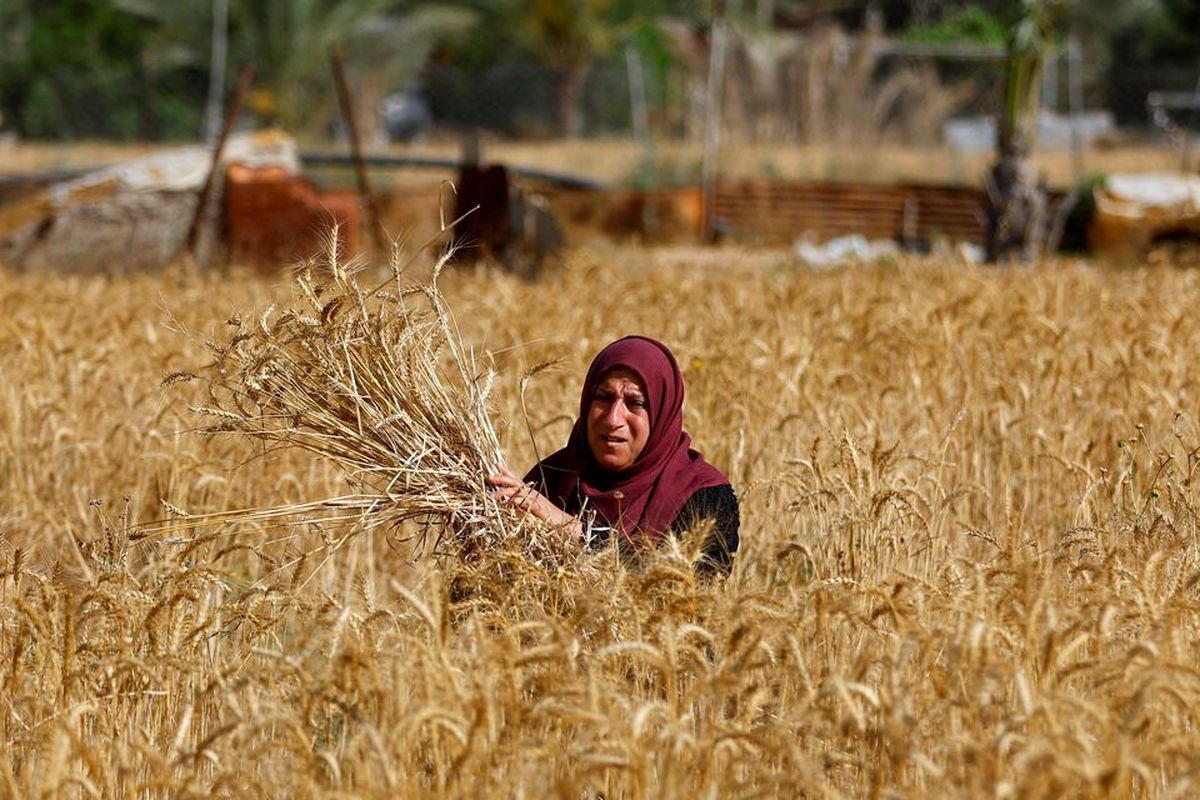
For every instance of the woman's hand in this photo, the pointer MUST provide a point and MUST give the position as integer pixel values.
(512, 492)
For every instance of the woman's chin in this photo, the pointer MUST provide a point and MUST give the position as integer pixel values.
(612, 462)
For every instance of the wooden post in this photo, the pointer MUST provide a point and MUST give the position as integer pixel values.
(766, 14)
(235, 107)
(1186, 145)
(712, 126)
(1075, 95)
(360, 167)
(216, 70)
(637, 95)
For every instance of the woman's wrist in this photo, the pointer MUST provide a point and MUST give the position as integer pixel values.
(563, 521)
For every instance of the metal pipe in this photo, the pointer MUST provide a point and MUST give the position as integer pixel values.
(380, 161)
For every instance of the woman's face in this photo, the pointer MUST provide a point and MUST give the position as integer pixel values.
(618, 420)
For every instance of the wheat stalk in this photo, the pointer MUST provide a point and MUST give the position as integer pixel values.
(379, 383)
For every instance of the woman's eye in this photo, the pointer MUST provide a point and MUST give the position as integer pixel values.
(636, 402)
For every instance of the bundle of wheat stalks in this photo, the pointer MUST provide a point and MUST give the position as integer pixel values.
(378, 382)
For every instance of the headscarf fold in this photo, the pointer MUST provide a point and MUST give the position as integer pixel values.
(643, 500)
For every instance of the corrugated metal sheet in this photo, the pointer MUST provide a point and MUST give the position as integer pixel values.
(782, 211)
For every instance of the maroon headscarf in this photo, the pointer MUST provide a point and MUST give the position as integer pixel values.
(645, 498)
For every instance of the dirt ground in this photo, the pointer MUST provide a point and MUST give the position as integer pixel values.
(621, 162)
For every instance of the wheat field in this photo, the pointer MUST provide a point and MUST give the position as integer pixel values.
(969, 563)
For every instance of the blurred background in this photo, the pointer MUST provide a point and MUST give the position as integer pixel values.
(640, 94)
(918, 73)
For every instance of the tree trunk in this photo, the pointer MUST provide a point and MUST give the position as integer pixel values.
(216, 70)
(148, 127)
(568, 100)
(373, 86)
(1016, 210)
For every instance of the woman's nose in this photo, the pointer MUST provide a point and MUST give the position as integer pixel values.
(614, 415)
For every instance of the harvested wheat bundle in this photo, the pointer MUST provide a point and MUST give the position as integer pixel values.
(379, 383)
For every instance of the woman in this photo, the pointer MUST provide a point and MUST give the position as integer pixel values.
(628, 469)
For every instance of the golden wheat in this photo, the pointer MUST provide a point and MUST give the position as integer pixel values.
(377, 382)
(969, 565)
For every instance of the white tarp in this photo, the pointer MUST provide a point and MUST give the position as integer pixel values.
(844, 249)
(131, 215)
(1155, 189)
(184, 168)
(1054, 131)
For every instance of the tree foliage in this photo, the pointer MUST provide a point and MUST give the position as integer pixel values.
(139, 68)
(67, 70)
(972, 25)
(289, 41)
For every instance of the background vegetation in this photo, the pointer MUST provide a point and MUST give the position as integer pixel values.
(139, 69)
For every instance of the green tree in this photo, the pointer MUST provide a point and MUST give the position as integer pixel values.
(568, 36)
(1017, 204)
(102, 68)
(65, 70)
(972, 25)
(175, 40)
(289, 40)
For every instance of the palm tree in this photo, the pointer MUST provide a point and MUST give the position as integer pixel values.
(568, 36)
(1016, 213)
(289, 40)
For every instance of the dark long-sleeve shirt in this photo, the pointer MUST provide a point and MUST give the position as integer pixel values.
(719, 504)
(716, 503)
